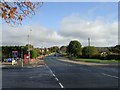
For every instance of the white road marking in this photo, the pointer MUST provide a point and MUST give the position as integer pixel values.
(55, 77)
(110, 76)
(61, 85)
(53, 74)
(51, 71)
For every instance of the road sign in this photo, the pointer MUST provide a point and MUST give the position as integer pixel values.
(15, 54)
(9, 59)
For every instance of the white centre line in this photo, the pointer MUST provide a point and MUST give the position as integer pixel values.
(55, 77)
(53, 74)
(61, 85)
(110, 76)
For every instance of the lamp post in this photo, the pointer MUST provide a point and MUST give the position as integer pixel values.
(29, 47)
(22, 55)
(88, 41)
(89, 47)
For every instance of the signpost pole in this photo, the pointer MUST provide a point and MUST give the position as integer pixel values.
(29, 45)
(22, 56)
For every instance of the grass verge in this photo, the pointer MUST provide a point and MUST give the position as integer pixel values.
(96, 60)
(89, 60)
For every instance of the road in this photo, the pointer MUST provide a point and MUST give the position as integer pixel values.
(59, 74)
(83, 76)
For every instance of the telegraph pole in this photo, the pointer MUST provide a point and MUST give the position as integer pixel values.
(88, 41)
(89, 47)
(22, 55)
(29, 47)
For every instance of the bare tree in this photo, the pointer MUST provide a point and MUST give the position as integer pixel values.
(14, 12)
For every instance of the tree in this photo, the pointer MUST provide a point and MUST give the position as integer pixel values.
(25, 49)
(54, 49)
(116, 49)
(0, 53)
(74, 48)
(89, 51)
(63, 49)
(14, 12)
(33, 53)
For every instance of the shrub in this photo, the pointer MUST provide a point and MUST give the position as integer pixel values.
(74, 48)
(34, 54)
(89, 51)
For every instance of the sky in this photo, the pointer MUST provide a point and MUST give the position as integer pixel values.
(57, 23)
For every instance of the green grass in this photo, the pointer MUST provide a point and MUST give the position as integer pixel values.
(95, 60)
(90, 60)
(63, 53)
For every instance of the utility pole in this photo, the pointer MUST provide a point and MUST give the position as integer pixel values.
(88, 46)
(29, 47)
(88, 41)
(22, 55)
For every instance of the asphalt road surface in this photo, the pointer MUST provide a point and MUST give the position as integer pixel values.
(83, 76)
(59, 74)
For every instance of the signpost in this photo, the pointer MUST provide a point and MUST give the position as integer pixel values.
(22, 55)
(15, 54)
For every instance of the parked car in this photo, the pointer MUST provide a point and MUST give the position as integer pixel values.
(9, 59)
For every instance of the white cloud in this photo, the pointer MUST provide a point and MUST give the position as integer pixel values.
(40, 36)
(101, 32)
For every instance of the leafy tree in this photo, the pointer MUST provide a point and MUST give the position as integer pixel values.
(54, 49)
(74, 48)
(0, 52)
(33, 53)
(38, 50)
(25, 49)
(116, 49)
(14, 12)
(63, 49)
(89, 51)
(46, 51)
(7, 50)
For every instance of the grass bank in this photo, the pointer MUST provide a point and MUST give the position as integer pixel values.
(95, 60)
(90, 60)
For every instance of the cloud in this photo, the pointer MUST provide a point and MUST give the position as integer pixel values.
(101, 32)
(39, 36)
(73, 27)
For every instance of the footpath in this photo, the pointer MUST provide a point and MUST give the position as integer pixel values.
(38, 62)
(64, 59)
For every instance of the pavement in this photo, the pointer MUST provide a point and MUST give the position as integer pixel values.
(64, 59)
(34, 63)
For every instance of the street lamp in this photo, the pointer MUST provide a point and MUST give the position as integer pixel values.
(29, 48)
(88, 41)
(22, 55)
